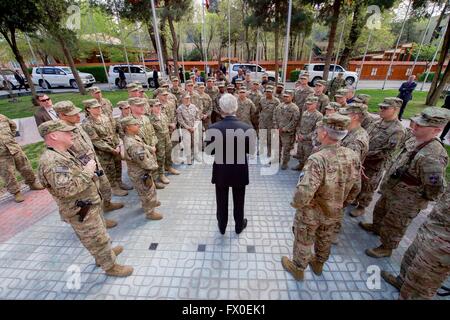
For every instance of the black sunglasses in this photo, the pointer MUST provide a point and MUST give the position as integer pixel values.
(44, 100)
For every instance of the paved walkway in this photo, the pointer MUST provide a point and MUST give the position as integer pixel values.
(184, 256)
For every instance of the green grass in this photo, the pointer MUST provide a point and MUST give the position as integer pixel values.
(24, 108)
(413, 107)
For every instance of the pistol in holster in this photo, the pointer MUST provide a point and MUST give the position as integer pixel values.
(148, 181)
(85, 206)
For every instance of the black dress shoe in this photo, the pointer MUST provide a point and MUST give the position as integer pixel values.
(244, 225)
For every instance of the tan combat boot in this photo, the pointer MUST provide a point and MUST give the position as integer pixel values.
(358, 211)
(18, 197)
(110, 223)
(119, 271)
(292, 268)
(366, 226)
(115, 189)
(396, 282)
(316, 267)
(124, 186)
(172, 171)
(111, 206)
(36, 186)
(159, 185)
(117, 250)
(153, 215)
(164, 179)
(379, 252)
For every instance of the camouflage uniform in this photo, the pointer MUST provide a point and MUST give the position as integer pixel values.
(12, 157)
(65, 178)
(307, 129)
(141, 161)
(107, 108)
(426, 263)
(323, 102)
(334, 85)
(216, 109)
(246, 111)
(267, 108)
(164, 146)
(330, 180)
(102, 133)
(178, 93)
(286, 117)
(207, 108)
(256, 97)
(300, 95)
(247, 85)
(189, 117)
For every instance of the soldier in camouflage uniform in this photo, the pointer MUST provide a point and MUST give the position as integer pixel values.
(141, 164)
(207, 105)
(83, 149)
(102, 132)
(333, 107)
(125, 111)
(160, 123)
(329, 182)
(246, 109)
(323, 99)
(368, 118)
(12, 157)
(176, 90)
(285, 119)
(211, 89)
(426, 264)
(255, 95)
(216, 114)
(267, 105)
(279, 91)
(385, 135)
(107, 108)
(248, 83)
(416, 177)
(302, 92)
(305, 131)
(195, 97)
(336, 84)
(231, 89)
(188, 116)
(169, 109)
(341, 97)
(73, 185)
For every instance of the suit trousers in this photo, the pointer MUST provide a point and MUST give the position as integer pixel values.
(222, 193)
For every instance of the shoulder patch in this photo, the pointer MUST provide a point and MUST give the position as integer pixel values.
(62, 169)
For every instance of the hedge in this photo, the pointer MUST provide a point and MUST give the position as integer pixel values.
(97, 71)
(430, 76)
(293, 76)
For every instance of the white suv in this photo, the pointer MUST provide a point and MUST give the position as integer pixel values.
(315, 71)
(138, 73)
(252, 68)
(59, 76)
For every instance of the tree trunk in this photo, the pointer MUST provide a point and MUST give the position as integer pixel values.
(435, 89)
(277, 31)
(71, 63)
(302, 46)
(13, 45)
(174, 45)
(438, 22)
(331, 37)
(355, 32)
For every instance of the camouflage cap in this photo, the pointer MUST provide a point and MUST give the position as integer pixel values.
(91, 103)
(280, 84)
(163, 83)
(341, 93)
(269, 89)
(354, 107)
(336, 122)
(186, 95)
(256, 82)
(242, 90)
(221, 84)
(311, 99)
(128, 121)
(191, 74)
(391, 102)
(67, 108)
(189, 83)
(333, 106)
(200, 84)
(321, 83)
(53, 126)
(163, 92)
(212, 79)
(152, 102)
(433, 117)
(137, 102)
(364, 98)
(239, 81)
(174, 79)
(94, 90)
(288, 93)
(304, 75)
(230, 86)
(132, 87)
(123, 104)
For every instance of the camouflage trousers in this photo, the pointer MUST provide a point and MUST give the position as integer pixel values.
(112, 166)
(264, 134)
(394, 212)
(105, 188)
(425, 266)
(92, 234)
(315, 230)
(369, 186)
(286, 144)
(146, 194)
(304, 150)
(18, 161)
(164, 153)
(191, 148)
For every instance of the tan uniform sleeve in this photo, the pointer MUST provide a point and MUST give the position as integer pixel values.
(308, 183)
(98, 142)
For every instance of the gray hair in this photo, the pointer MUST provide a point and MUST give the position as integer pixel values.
(228, 104)
(337, 135)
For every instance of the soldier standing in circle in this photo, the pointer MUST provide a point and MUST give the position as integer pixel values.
(141, 165)
(385, 135)
(255, 95)
(336, 84)
(74, 187)
(107, 108)
(12, 157)
(368, 119)
(188, 116)
(416, 177)
(246, 109)
(216, 114)
(83, 150)
(306, 130)
(206, 104)
(333, 107)
(285, 119)
(330, 181)
(267, 104)
(102, 132)
(341, 97)
(323, 99)
(279, 92)
(176, 89)
(302, 92)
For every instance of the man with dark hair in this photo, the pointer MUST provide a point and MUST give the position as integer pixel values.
(405, 94)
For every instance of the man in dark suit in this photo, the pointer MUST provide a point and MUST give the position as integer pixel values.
(230, 141)
(45, 112)
(198, 76)
(405, 94)
(155, 77)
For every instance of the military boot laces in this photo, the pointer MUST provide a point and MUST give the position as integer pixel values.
(292, 268)
(119, 271)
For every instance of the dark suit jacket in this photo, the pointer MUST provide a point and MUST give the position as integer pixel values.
(406, 90)
(229, 170)
(41, 116)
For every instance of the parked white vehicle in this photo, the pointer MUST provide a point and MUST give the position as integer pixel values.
(59, 76)
(256, 72)
(315, 71)
(7, 79)
(138, 73)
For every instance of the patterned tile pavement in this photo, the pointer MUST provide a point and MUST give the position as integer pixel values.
(184, 256)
